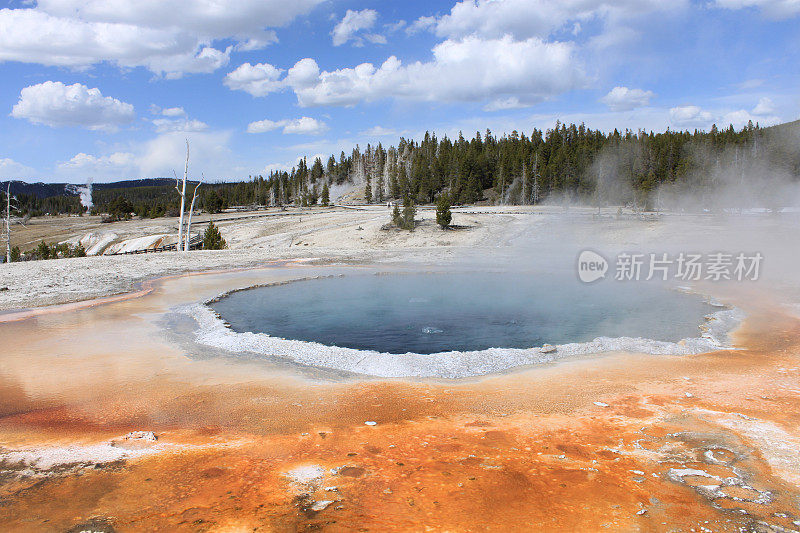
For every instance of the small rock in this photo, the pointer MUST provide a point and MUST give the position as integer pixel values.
(320, 506)
(600, 404)
(641, 511)
(387, 491)
(547, 348)
(370, 423)
(689, 395)
(148, 436)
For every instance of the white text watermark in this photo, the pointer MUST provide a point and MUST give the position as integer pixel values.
(683, 266)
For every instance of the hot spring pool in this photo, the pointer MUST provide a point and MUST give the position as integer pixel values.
(463, 312)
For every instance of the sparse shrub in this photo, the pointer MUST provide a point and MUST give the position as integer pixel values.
(43, 251)
(15, 254)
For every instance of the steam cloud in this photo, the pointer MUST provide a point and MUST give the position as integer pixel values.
(84, 192)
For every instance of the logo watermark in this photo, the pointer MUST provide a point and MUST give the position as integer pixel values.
(683, 266)
(591, 266)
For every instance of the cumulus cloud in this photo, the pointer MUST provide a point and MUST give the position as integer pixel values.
(532, 18)
(11, 170)
(625, 99)
(168, 38)
(689, 116)
(765, 106)
(54, 104)
(692, 116)
(354, 22)
(259, 79)
(776, 9)
(120, 164)
(302, 126)
(467, 70)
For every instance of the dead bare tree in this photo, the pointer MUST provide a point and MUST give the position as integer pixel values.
(182, 191)
(191, 210)
(7, 229)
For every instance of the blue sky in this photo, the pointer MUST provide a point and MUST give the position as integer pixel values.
(109, 89)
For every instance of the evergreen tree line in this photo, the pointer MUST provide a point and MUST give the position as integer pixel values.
(565, 163)
(32, 206)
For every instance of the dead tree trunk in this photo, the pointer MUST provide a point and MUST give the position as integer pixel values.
(7, 233)
(182, 191)
(189, 221)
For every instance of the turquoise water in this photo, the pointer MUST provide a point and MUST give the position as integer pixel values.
(430, 313)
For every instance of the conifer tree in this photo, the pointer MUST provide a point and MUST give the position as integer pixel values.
(368, 191)
(409, 212)
(212, 238)
(326, 196)
(443, 214)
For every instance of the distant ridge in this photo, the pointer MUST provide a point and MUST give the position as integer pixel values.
(48, 190)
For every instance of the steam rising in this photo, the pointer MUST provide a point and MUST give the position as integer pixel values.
(84, 193)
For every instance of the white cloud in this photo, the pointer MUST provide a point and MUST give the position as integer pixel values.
(164, 125)
(351, 24)
(209, 153)
(625, 99)
(169, 38)
(504, 104)
(375, 38)
(379, 131)
(776, 9)
(54, 104)
(302, 126)
(263, 126)
(259, 79)
(118, 164)
(421, 24)
(12, 170)
(173, 112)
(305, 126)
(751, 84)
(467, 70)
(395, 26)
(765, 106)
(533, 18)
(689, 116)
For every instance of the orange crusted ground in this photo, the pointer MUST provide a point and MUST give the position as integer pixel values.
(703, 443)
